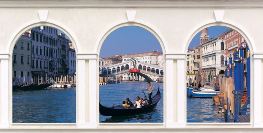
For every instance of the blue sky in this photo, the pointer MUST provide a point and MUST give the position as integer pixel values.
(213, 32)
(128, 40)
(134, 39)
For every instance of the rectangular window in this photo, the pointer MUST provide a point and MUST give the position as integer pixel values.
(14, 60)
(28, 46)
(22, 74)
(28, 59)
(22, 59)
(33, 64)
(36, 63)
(22, 46)
(15, 74)
(36, 37)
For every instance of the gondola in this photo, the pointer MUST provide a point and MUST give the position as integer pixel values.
(120, 111)
(31, 87)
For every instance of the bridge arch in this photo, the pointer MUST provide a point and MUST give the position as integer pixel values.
(157, 71)
(122, 68)
(153, 70)
(140, 67)
(144, 68)
(148, 69)
(127, 67)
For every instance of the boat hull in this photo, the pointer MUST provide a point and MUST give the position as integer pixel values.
(203, 94)
(31, 87)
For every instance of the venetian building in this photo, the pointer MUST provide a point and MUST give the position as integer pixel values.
(190, 66)
(153, 58)
(204, 36)
(72, 60)
(212, 59)
(44, 53)
(22, 60)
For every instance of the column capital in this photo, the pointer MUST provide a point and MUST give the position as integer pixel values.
(180, 56)
(258, 55)
(87, 56)
(4, 56)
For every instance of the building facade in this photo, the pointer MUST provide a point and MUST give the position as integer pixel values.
(47, 54)
(22, 60)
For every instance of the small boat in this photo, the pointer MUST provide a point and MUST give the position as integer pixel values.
(190, 91)
(119, 110)
(31, 87)
(204, 93)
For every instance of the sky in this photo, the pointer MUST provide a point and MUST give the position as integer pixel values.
(213, 32)
(129, 40)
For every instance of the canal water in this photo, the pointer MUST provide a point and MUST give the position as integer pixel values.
(114, 94)
(202, 110)
(45, 106)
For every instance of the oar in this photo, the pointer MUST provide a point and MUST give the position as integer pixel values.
(144, 94)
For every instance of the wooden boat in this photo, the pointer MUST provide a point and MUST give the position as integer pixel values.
(31, 87)
(119, 110)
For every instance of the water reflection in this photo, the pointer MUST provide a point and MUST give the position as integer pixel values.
(45, 106)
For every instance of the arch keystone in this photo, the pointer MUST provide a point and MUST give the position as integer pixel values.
(219, 15)
(130, 14)
(42, 15)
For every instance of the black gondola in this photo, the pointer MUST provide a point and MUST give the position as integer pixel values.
(120, 111)
(31, 87)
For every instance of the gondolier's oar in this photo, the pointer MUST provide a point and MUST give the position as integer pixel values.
(144, 94)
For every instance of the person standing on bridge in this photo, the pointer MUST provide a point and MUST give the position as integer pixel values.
(149, 90)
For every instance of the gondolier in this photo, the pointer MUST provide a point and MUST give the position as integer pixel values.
(149, 91)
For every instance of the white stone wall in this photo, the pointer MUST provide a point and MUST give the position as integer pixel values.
(174, 23)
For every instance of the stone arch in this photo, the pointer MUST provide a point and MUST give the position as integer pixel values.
(148, 27)
(17, 35)
(127, 67)
(61, 27)
(140, 67)
(157, 71)
(144, 68)
(118, 69)
(148, 69)
(235, 27)
(122, 68)
(153, 70)
(161, 72)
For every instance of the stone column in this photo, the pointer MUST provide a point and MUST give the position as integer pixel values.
(4, 87)
(87, 86)
(258, 93)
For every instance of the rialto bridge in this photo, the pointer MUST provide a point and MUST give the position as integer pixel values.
(121, 71)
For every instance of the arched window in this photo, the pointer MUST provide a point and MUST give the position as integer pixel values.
(128, 52)
(35, 99)
(217, 71)
(222, 46)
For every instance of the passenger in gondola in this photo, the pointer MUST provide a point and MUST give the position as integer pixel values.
(129, 102)
(125, 104)
(150, 90)
(144, 102)
(138, 102)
